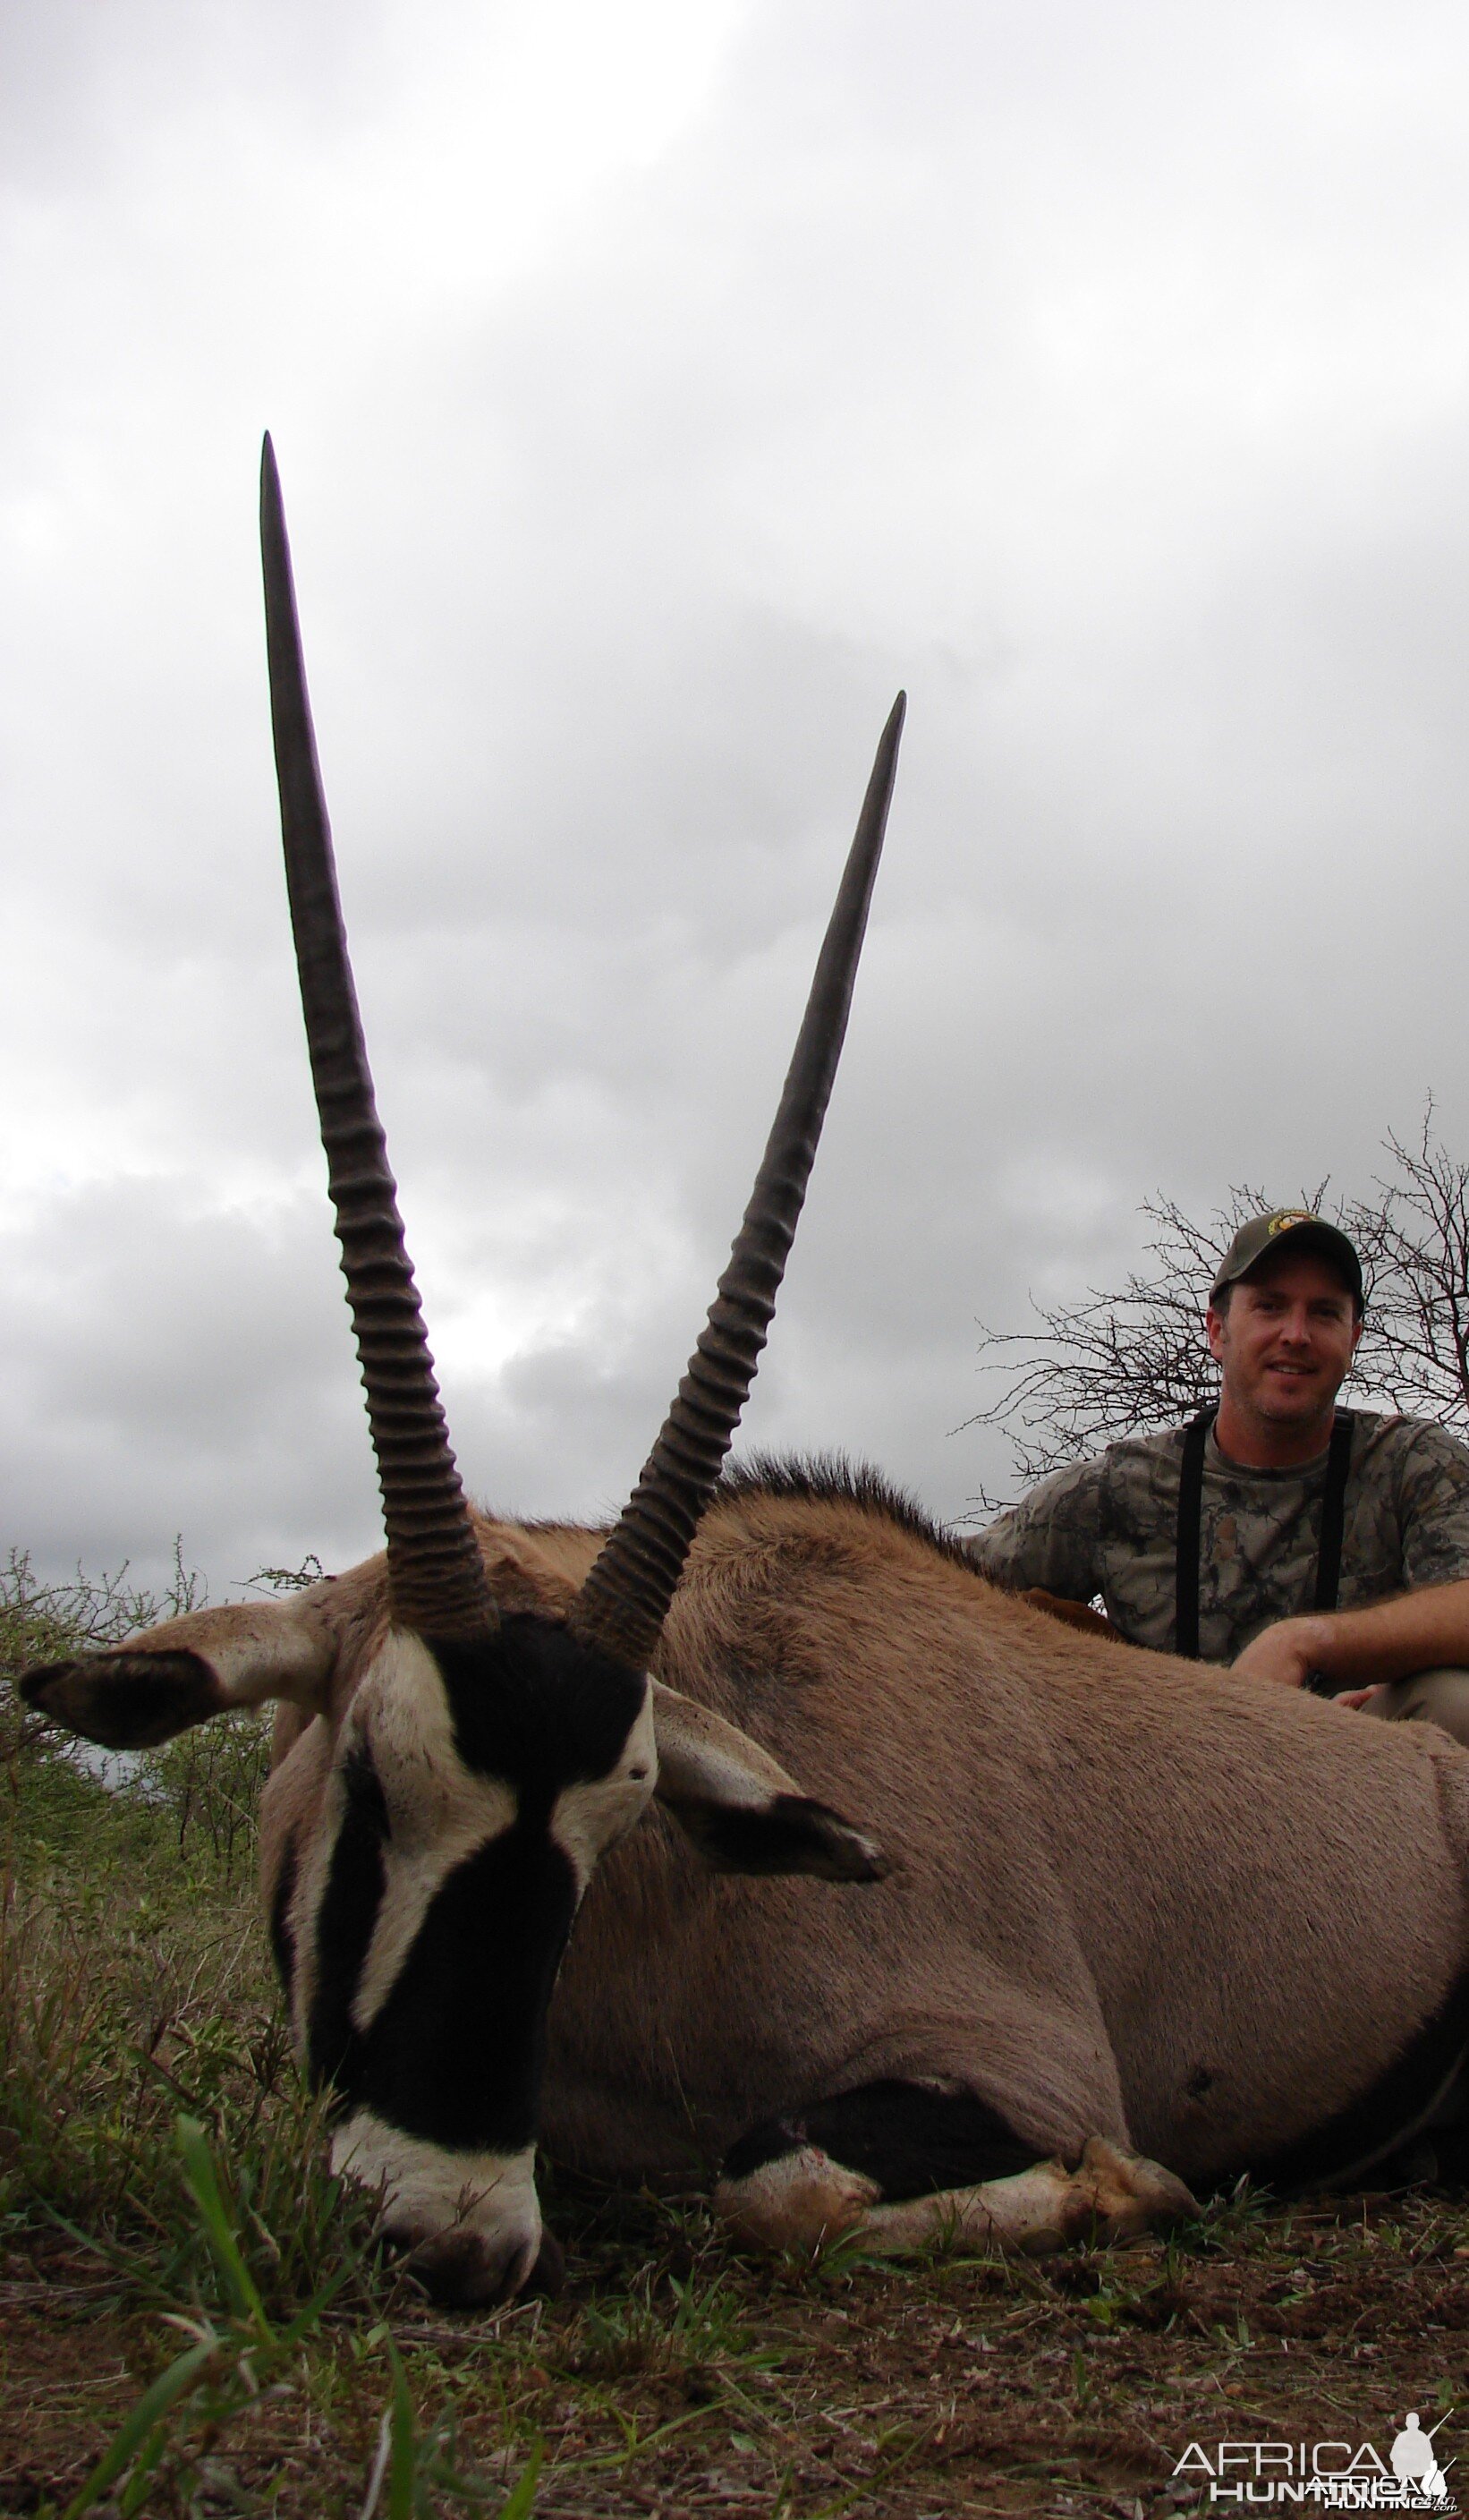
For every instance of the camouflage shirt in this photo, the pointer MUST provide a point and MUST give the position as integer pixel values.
(1110, 1526)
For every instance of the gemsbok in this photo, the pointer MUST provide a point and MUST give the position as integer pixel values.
(1099, 1925)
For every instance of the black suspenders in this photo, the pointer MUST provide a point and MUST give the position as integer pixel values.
(1191, 1517)
(1333, 1513)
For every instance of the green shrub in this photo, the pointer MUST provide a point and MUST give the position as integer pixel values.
(198, 1792)
(133, 1980)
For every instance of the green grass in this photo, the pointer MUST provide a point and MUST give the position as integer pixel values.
(193, 2318)
(153, 2122)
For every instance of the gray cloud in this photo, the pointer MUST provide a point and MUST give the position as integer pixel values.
(653, 400)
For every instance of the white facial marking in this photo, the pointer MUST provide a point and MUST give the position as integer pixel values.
(441, 1811)
(306, 1902)
(590, 1816)
(429, 2192)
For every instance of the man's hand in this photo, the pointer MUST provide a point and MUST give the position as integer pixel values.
(1291, 1651)
(1358, 1650)
(1288, 1653)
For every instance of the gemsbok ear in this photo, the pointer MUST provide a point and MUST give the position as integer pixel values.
(741, 1807)
(165, 1678)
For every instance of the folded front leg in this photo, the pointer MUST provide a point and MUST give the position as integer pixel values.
(901, 2166)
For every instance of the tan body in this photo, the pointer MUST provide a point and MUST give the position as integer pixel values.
(1130, 1897)
(1113, 1907)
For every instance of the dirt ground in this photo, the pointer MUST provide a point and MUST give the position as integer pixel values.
(672, 2378)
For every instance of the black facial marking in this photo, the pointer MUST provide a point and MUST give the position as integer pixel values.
(910, 2142)
(536, 1707)
(455, 2054)
(1200, 2080)
(282, 1939)
(345, 1924)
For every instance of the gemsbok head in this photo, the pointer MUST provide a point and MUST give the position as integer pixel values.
(473, 1763)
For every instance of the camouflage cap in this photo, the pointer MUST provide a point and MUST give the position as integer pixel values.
(1312, 1233)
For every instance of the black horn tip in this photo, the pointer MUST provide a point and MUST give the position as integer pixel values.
(626, 1595)
(272, 505)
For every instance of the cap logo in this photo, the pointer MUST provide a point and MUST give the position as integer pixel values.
(1292, 1216)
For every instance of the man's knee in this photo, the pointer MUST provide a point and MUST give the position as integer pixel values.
(1439, 1696)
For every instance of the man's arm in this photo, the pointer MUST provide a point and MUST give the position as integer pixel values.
(1049, 1539)
(1357, 1649)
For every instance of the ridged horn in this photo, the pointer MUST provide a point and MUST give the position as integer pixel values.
(623, 1603)
(436, 1582)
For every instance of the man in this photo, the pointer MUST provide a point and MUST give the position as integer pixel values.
(1291, 1539)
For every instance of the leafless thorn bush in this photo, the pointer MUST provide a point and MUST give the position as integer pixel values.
(1127, 1359)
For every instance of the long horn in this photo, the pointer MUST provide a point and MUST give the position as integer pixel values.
(436, 1582)
(623, 1603)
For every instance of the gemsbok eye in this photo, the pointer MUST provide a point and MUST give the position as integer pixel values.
(1126, 1924)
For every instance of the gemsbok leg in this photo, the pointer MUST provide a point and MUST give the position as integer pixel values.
(900, 2166)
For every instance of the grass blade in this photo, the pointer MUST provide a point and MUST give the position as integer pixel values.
(378, 2467)
(204, 2187)
(154, 2405)
(521, 2502)
(403, 2466)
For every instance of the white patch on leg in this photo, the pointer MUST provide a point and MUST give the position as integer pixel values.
(430, 2192)
(1112, 2196)
(797, 2202)
(805, 2197)
(1027, 2212)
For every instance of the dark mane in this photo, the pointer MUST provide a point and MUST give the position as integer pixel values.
(825, 1478)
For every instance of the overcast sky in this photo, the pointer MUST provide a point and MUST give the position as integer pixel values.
(655, 389)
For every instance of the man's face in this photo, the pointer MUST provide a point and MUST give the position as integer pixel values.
(1284, 1345)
